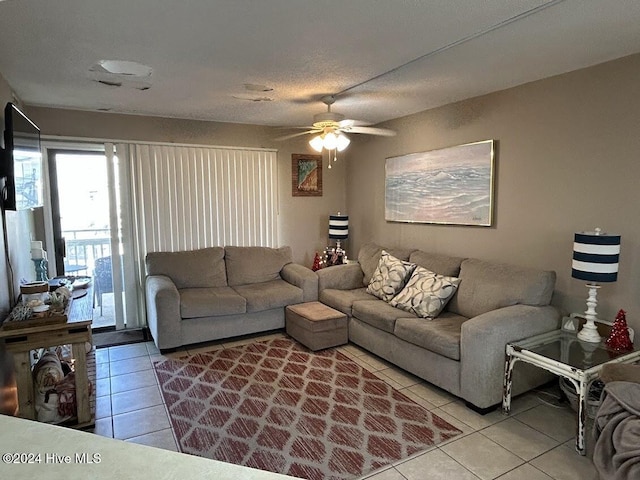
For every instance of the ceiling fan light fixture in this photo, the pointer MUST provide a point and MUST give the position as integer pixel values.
(328, 129)
(316, 143)
(330, 141)
(342, 142)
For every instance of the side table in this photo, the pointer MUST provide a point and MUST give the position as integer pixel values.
(76, 332)
(563, 354)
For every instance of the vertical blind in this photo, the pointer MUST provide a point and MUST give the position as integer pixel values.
(189, 197)
(126, 263)
(176, 198)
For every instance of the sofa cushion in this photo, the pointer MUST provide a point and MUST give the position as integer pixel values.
(390, 277)
(343, 299)
(441, 335)
(486, 286)
(369, 256)
(247, 265)
(268, 295)
(438, 263)
(210, 302)
(377, 313)
(426, 293)
(203, 268)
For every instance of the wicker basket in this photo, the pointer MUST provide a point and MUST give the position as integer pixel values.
(593, 397)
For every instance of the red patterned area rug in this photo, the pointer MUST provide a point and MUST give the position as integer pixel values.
(277, 406)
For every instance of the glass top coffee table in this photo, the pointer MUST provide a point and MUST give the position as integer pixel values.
(563, 354)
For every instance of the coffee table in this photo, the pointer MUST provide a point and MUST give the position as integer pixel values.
(563, 354)
(316, 325)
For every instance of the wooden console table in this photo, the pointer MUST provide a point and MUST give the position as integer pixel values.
(76, 332)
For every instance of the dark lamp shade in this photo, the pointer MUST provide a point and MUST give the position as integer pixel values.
(338, 227)
(595, 257)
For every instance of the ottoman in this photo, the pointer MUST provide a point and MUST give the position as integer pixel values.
(316, 326)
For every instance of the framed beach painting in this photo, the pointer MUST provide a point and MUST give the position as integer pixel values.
(306, 175)
(452, 186)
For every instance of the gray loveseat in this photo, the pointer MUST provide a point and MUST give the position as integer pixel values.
(462, 350)
(221, 292)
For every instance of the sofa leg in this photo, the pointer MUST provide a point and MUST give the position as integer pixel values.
(481, 411)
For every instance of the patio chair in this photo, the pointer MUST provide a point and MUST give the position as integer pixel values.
(103, 279)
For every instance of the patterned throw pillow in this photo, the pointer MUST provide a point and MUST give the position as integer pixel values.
(390, 276)
(426, 293)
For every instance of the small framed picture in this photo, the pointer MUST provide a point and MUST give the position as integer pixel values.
(306, 175)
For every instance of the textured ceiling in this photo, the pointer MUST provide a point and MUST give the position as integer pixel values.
(384, 59)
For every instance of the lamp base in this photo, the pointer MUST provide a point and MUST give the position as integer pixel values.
(589, 333)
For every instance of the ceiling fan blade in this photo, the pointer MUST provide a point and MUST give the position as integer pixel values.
(349, 123)
(385, 132)
(293, 135)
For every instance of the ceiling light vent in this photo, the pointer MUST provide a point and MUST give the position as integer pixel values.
(253, 98)
(254, 87)
(110, 83)
(121, 73)
(122, 67)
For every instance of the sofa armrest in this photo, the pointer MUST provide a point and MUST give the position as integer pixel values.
(341, 277)
(482, 347)
(619, 372)
(163, 311)
(302, 277)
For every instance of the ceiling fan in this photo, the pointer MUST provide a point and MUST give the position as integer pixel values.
(330, 129)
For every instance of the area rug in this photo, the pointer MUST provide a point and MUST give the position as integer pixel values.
(277, 406)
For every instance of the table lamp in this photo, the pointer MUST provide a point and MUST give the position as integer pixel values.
(338, 230)
(595, 259)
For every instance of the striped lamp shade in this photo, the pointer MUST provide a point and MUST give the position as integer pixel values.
(338, 227)
(595, 256)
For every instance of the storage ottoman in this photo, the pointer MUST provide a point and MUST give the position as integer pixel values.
(316, 325)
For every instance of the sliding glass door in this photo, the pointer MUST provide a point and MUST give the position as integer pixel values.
(86, 228)
(80, 210)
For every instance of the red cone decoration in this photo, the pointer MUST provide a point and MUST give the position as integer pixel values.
(316, 262)
(619, 337)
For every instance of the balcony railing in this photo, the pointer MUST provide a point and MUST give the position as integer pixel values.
(83, 247)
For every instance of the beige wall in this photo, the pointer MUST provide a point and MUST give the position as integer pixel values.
(568, 159)
(302, 221)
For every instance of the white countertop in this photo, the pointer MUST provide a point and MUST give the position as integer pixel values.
(46, 446)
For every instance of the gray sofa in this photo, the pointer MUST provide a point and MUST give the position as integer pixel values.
(221, 292)
(462, 350)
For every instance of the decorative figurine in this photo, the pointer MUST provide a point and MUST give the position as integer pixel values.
(316, 263)
(619, 339)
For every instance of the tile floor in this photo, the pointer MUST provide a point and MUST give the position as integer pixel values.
(536, 442)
